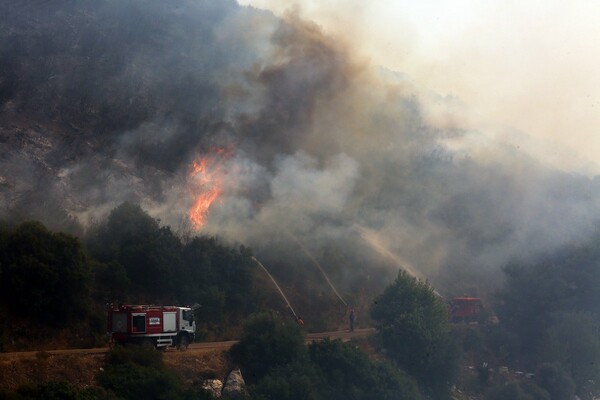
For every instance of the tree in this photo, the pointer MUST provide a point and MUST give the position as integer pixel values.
(555, 380)
(277, 365)
(150, 255)
(414, 330)
(110, 281)
(549, 311)
(267, 342)
(46, 275)
(140, 261)
(530, 297)
(125, 225)
(350, 374)
(572, 341)
(218, 277)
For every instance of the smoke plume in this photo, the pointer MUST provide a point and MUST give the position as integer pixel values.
(107, 101)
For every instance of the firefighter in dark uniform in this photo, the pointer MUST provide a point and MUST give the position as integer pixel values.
(351, 319)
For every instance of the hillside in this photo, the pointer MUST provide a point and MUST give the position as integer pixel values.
(267, 130)
(157, 152)
(81, 369)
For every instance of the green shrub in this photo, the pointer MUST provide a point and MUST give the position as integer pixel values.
(139, 373)
(517, 391)
(555, 380)
(52, 391)
(137, 355)
(277, 365)
(298, 380)
(349, 373)
(267, 342)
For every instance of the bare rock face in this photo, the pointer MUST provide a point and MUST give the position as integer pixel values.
(215, 386)
(235, 386)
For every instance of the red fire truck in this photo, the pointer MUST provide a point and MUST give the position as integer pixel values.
(466, 309)
(158, 326)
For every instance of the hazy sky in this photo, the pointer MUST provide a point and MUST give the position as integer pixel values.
(532, 65)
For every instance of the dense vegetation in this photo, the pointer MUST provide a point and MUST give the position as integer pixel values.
(548, 318)
(414, 330)
(57, 280)
(98, 96)
(140, 261)
(139, 373)
(277, 365)
(46, 276)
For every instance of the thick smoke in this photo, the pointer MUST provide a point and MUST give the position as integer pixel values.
(107, 101)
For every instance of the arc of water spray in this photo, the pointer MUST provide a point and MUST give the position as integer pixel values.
(310, 256)
(374, 241)
(276, 285)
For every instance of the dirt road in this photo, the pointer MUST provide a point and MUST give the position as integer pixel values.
(197, 347)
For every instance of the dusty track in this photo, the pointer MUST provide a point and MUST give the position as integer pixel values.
(195, 348)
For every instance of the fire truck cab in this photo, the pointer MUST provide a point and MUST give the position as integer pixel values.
(158, 326)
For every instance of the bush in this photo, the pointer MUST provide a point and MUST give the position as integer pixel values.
(350, 374)
(555, 380)
(277, 365)
(139, 373)
(517, 391)
(57, 390)
(297, 380)
(267, 342)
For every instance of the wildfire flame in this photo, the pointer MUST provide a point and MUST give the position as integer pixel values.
(207, 183)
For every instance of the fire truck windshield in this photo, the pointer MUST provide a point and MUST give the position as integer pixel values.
(188, 315)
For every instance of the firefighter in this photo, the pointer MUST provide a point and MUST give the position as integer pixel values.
(351, 319)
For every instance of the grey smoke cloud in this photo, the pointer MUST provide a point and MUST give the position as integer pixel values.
(126, 96)
(299, 195)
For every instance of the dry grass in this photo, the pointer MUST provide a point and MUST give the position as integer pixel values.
(81, 369)
(77, 369)
(193, 367)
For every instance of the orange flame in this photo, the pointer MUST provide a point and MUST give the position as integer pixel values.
(207, 184)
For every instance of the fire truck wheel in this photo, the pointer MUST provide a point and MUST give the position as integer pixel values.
(184, 342)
